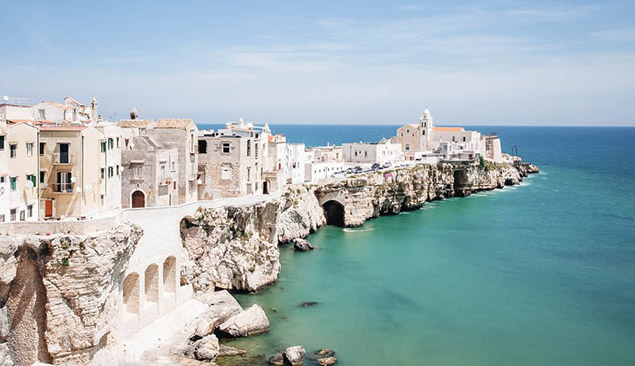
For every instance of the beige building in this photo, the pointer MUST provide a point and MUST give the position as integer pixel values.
(325, 154)
(79, 170)
(181, 134)
(71, 111)
(276, 172)
(18, 172)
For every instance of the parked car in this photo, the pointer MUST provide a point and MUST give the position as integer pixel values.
(375, 166)
(387, 165)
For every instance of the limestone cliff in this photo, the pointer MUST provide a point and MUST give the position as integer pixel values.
(300, 213)
(232, 247)
(61, 293)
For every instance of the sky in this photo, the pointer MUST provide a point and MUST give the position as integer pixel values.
(500, 62)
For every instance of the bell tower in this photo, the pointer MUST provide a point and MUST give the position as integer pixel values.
(425, 129)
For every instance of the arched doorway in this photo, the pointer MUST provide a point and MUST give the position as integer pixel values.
(131, 293)
(265, 187)
(334, 213)
(138, 199)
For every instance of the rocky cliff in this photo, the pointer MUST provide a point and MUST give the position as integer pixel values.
(60, 293)
(236, 247)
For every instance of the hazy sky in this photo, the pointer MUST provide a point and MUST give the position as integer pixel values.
(368, 62)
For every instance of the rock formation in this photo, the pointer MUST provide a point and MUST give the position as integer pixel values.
(302, 245)
(248, 322)
(61, 293)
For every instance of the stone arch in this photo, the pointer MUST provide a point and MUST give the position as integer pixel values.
(334, 213)
(138, 199)
(152, 283)
(131, 293)
(169, 274)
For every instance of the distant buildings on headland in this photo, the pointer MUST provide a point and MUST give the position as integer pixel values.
(63, 160)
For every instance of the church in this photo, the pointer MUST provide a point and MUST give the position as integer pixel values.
(448, 143)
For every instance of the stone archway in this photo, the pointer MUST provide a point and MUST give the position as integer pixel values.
(169, 274)
(266, 186)
(131, 293)
(152, 283)
(334, 213)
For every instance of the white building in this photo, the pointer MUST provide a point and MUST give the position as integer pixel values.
(380, 152)
(296, 163)
(323, 154)
(316, 172)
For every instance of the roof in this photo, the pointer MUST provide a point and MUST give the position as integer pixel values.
(413, 125)
(56, 104)
(178, 123)
(63, 128)
(140, 123)
(448, 129)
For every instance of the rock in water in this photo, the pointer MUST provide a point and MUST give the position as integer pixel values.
(294, 355)
(302, 245)
(327, 361)
(230, 351)
(308, 304)
(250, 321)
(205, 349)
(277, 359)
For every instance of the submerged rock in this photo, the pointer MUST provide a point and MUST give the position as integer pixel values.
(294, 355)
(226, 351)
(327, 361)
(277, 359)
(308, 304)
(302, 245)
(250, 321)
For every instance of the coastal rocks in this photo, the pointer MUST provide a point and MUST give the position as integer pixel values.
(226, 351)
(232, 247)
(294, 355)
(222, 306)
(277, 359)
(204, 349)
(300, 213)
(63, 302)
(302, 245)
(250, 321)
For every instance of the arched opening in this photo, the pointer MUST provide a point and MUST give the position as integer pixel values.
(138, 199)
(334, 213)
(152, 283)
(265, 187)
(131, 293)
(169, 274)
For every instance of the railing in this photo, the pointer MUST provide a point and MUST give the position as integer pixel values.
(63, 158)
(63, 187)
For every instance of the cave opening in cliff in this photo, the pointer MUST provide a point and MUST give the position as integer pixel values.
(334, 213)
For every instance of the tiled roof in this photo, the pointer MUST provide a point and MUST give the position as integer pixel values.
(140, 123)
(448, 129)
(179, 123)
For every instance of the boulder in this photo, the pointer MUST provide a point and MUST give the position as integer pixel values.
(302, 245)
(327, 361)
(205, 349)
(230, 351)
(250, 321)
(222, 305)
(294, 355)
(277, 359)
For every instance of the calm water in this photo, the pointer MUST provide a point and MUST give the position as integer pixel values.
(540, 274)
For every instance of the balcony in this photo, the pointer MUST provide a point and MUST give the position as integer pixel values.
(63, 159)
(63, 187)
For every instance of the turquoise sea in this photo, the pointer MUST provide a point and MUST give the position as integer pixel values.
(537, 274)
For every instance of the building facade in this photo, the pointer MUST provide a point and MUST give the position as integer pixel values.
(381, 152)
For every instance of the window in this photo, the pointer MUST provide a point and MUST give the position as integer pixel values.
(64, 182)
(1, 143)
(111, 143)
(248, 148)
(126, 142)
(226, 147)
(453, 138)
(464, 139)
(103, 173)
(13, 150)
(136, 171)
(31, 177)
(42, 113)
(162, 172)
(174, 166)
(2, 218)
(202, 147)
(110, 172)
(29, 149)
(423, 132)
(256, 149)
(29, 211)
(14, 183)
(42, 176)
(13, 214)
(42, 147)
(117, 170)
(117, 142)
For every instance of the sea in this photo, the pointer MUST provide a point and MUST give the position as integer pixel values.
(537, 274)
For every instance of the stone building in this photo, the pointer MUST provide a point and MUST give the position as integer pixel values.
(232, 161)
(453, 143)
(381, 152)
(324, 154)
(19, 167)
(150, 173)
(275, 175)
(180, 134)
(71, 111)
